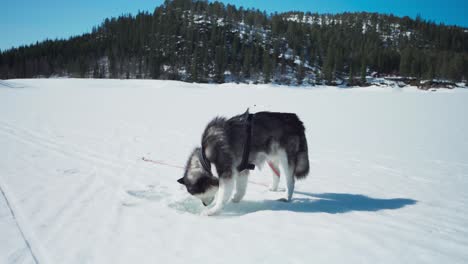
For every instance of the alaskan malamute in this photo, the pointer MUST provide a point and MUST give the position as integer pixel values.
(236, 145)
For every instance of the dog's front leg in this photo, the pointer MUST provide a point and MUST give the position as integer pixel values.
(241, 186)
(226, 185)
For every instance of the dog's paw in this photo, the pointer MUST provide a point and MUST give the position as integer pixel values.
(209, 212)
(236, 199)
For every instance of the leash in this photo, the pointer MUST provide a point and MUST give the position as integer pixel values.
(158, 162)
(162, 163)
(274, 169)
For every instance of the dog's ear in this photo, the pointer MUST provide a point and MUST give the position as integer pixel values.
(181, 181)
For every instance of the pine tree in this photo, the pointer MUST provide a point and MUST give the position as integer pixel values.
(405, 61)
(363, 70)
(234, 65)
(112, 67)
(429, 68)
(247, 55)
(300, 72)
(83, 66)
(155, 66)
(283, 65)
(456, 68)
(267, 64)
(351, 75)
(416, 64)
(194, 67)
(465, 69)
(338, 67)
(96, 71)
(219, 64)
(329, 65)
(102, 72)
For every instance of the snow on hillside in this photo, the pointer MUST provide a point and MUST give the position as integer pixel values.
(391, 34)
(387, 184)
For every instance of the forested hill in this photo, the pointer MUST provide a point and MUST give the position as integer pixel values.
(204, 41)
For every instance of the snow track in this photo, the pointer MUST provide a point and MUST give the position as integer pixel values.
(387, 184)
(26, 234)
(10, 85)
(70, 151)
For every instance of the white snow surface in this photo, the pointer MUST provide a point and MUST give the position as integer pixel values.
(387, 183)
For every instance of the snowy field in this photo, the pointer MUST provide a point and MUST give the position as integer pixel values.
(388, 180)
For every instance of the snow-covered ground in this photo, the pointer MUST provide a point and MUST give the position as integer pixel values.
(388, 180)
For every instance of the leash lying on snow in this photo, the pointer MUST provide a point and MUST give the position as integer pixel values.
(162, 163)
(159, 162)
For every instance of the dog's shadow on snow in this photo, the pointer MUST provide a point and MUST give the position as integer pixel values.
(331, 203)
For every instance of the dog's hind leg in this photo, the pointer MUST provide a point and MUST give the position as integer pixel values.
(241, 186)
(288, 172)
(275, 175)
(222, 197)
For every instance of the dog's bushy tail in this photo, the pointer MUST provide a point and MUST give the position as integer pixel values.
(302, 159)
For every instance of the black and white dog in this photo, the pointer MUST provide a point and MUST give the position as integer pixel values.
(234, 146)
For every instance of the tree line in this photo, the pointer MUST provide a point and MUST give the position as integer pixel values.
(201, 41)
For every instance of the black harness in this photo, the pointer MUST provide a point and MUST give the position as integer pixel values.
(244, 165)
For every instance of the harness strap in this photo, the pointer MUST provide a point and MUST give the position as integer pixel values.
(245, 165)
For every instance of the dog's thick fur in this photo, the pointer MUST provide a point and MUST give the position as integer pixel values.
(276, 137)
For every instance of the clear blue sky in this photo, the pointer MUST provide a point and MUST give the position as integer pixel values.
(27, 21)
